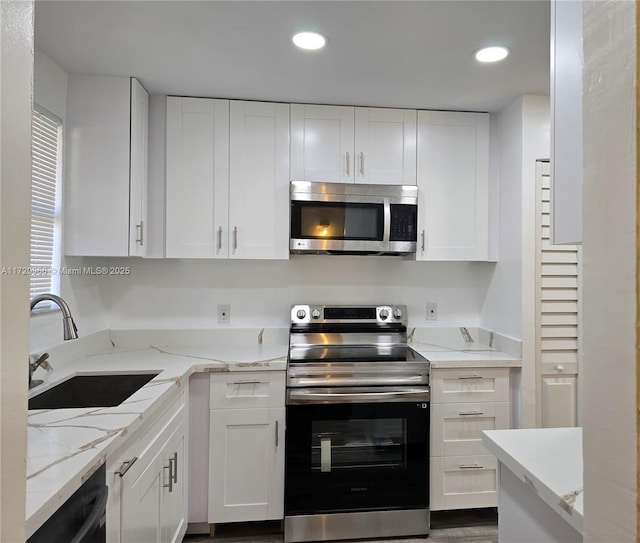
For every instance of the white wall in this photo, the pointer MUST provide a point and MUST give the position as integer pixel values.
(80, 292)
(524, 137)
(185, 293)
(610, 246)
(16, 76)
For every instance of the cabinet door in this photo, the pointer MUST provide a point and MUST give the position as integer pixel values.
(453, 186)
(174, 496)
(141, 504)
(259, 180)
(322, 139)
(559, 400)
(96, 208)
(385, 146)
(197, 178)
(138, 180)
(246, 470)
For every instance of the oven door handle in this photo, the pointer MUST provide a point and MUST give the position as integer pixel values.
(302, 396)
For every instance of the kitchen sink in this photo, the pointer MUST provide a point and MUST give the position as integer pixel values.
(105, 390)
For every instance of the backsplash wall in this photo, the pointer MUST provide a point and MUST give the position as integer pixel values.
(185, 293)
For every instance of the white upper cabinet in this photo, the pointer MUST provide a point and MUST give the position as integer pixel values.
(566, 121)
(453, 186)
(322, 145)
(106, 166)
(347, 144)
(227, 179)
(385, 146)
(259, 180)
(197, 178)
(138, 169)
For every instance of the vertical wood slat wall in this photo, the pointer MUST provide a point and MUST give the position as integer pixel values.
(558, 309)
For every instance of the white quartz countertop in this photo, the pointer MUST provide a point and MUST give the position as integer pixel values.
(65, 446)
(549, 461)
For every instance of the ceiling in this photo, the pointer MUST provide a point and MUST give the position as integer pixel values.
(379, 53)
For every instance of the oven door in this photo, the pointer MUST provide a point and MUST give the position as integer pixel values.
(357, 449)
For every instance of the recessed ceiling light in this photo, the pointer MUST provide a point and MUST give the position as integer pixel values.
(491, 54)
(309, 40)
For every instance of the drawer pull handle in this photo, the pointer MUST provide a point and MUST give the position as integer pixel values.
(471, 466)
(247, 382)
(470, 377)
(126, 466)
(170, 468)
(175, 467)
(560, 367)
(464, 413)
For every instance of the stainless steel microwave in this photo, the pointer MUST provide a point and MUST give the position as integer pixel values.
(348, 218)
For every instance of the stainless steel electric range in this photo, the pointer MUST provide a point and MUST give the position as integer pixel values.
(357, 440)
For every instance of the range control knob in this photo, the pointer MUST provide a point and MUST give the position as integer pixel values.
(301, 314)
(384, 313)
(397, 313)
(315, 314)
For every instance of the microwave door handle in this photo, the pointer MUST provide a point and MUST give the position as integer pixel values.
(386, 233)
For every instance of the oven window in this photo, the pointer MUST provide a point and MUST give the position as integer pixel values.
(341, 221)
(358, 443)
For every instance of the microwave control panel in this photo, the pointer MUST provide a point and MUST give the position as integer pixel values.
(404, 222)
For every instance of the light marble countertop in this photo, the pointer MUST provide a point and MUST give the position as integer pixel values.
(549, 461)
(65, 446)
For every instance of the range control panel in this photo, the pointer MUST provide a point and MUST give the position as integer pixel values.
(325, 314)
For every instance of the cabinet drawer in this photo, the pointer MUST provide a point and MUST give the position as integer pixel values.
(242, 390)
(470, 385)
(462, 482)
(457, 427)
(559, 368)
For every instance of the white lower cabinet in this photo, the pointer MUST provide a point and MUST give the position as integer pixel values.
(246, 458)
(147, 482)
(465, 402)
(559, 401)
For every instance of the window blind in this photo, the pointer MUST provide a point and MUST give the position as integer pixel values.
(45, 209)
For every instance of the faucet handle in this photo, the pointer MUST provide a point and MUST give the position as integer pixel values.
(41, 360)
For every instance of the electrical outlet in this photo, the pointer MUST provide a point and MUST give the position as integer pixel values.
(432, 311)
(224, 314)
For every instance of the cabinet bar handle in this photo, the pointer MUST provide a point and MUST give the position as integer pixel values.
(276, 434)
(219, 238)
(361, 163)
(470, 466)
(170, 468)
(235, 238)
(140, 233)
(175, 467)
(470, 377)
(348, 161)
(463, 413)
(422, 237)
(247, 382)
(125, 466)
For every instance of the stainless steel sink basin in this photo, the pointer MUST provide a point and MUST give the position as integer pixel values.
(106, 390)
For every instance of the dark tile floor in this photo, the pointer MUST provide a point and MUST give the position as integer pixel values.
(464, 526)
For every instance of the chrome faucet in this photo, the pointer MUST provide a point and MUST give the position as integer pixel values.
(69, 329)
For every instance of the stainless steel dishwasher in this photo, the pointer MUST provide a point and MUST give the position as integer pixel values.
(81, 519)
